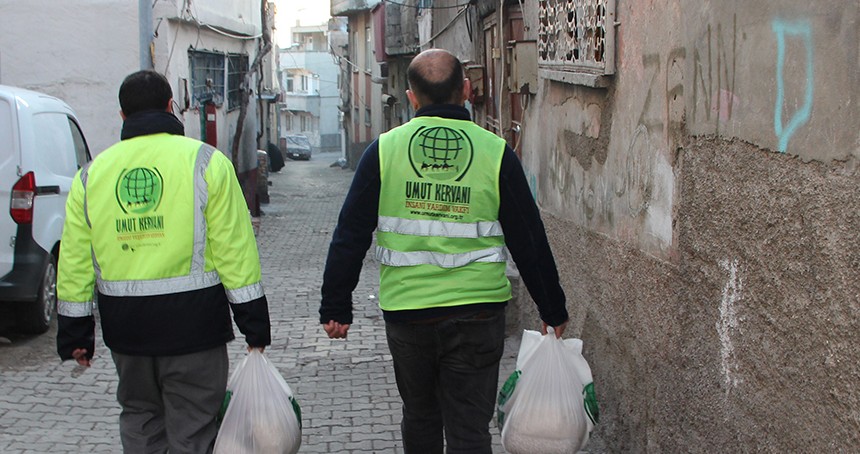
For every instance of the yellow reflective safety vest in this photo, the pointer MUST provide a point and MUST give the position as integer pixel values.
(146, 215)
(439, 241)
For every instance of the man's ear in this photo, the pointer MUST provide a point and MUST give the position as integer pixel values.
(169, 108)
(467, 90)
(122, 115)
(413, 99)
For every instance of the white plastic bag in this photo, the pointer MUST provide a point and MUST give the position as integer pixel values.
(547, 405)
(262, 417)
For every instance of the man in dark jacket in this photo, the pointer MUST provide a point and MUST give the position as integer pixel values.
(158, 229)
(440, 191)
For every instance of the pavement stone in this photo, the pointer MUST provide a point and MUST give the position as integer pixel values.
(346, 388)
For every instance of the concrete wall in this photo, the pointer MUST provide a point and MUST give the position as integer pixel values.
(42, 49)
(241, 17)
(704, 214)
(45, 46)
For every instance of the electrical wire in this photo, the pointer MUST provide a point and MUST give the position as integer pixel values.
(172, 47)
(469, 25)
(445, 28)
(199, 24)
(428, 7)
(230, 35)
(356, 66)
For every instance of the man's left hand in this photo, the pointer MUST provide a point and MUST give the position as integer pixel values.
(80, 355)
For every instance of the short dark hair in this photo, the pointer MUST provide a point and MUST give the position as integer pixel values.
(144, 90)
(446, 91)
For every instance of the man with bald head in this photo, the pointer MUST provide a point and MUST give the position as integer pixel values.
(448, 200)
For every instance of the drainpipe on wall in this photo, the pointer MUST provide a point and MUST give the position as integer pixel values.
(144, 10)
(342, 140)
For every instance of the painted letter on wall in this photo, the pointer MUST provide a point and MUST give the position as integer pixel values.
(803, 30)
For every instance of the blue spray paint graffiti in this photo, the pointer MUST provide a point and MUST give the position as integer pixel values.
(804, 31)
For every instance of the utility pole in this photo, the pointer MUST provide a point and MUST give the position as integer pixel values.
(144, 10)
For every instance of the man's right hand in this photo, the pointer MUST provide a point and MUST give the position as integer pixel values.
(336, 330)
(558, 330)
(80, 355)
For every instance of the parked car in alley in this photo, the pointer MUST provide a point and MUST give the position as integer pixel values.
(296, 146)
(41, 149)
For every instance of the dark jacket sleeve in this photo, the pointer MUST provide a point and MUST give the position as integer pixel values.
(526, 239)
(252, 318)
(74, 333)
(351, 239)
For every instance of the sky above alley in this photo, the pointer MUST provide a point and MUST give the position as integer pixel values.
(307, 12)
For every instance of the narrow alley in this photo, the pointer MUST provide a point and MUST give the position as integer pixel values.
(346, 388)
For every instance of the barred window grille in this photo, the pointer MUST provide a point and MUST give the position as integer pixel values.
(576, 40)
(237, 67)
(207, 77)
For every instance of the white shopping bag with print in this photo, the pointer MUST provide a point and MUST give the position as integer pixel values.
(261, 416)
(548, 404)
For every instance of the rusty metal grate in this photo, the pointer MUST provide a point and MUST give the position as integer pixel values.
(577, 36)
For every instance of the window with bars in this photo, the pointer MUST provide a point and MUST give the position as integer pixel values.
(214, 75)
(207, 77)
(237, 65)
(576, 40)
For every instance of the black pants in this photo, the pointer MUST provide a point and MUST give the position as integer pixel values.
(169, 403)
(447, 373)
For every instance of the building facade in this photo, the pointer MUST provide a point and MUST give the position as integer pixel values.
(309, 76)
(363, 74)
(696, 164)
(205, 49)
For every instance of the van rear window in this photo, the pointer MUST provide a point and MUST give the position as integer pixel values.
(54, 138)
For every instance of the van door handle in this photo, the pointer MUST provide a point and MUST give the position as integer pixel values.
(40, 190)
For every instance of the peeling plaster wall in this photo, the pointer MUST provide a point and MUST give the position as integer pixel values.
(704, 214)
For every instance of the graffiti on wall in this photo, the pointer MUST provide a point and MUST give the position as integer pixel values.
(635, 182)
(783, 30)
(727, 324)
(714, 75)
(695, 83)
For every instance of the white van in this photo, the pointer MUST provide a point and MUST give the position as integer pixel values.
(41, 149)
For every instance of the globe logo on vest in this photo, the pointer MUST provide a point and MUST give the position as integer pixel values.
(440, 153)
(139, 190)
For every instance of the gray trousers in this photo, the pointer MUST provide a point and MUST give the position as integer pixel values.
(169, 403)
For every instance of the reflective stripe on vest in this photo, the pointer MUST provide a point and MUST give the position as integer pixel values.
(391, 257)
(439, 240)
(74, 309)
(197, 278)
(201, 197)
(84, 175)
(416, 227)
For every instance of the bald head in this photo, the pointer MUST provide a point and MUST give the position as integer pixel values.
(436, 77)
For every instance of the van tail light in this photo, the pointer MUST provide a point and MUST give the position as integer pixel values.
(23, 194)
